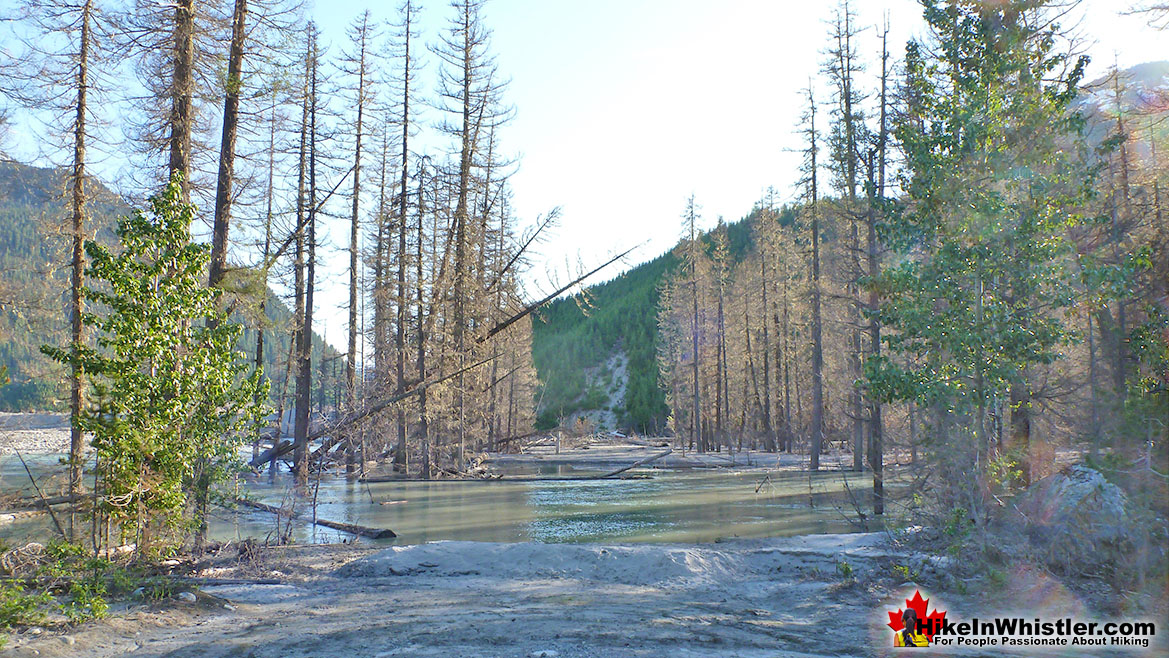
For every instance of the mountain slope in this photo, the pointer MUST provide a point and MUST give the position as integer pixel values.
(596, 351)
(34, 282)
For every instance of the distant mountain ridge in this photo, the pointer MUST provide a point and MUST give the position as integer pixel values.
(34, 281)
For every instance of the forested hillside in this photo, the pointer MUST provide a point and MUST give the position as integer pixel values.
(582, 331)
(34, 292)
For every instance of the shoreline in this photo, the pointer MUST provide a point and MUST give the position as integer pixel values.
(34, 433)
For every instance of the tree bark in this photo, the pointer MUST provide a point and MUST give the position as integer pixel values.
(817, 321)
(354, 246)
(182, 91)
(77, 330)
(226, 180)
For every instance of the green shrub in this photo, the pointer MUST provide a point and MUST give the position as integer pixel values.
(18, 608)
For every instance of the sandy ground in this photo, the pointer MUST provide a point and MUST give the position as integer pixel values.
(748, 598)
(770, 597)
(33, 433)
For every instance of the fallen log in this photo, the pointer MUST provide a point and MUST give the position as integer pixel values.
(603, 476)
(40, 503)
(271, 453)
(351, 528)
(9, 516)
(397, 477)
(635, 464)
(63, 584)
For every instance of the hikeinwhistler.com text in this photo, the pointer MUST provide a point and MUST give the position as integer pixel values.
(1020, 632)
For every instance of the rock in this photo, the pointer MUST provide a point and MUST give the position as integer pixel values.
(185, 597)
(1076, 520)
(544, 653)
(69, 640)
(228, 606)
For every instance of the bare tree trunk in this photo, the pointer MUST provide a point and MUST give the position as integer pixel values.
(692, 246)
(789, 431)
(77, 182)
(354, 247)
(720, 372)
(259, 360)
(226, 179)
(817, 321)
(182, 91)
(403, 207)
(876, 431)
(768, 428)
(423, 423)
(304, 370)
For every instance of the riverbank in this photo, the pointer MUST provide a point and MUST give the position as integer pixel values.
(821, 595)
(33, 433)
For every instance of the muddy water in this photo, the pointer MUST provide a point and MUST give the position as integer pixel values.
(671, 506)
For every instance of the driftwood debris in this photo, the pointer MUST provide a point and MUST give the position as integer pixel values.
(63, 584)
(536, 478)
(351, 528)
(635, 464)
(338, 426)
(211, 582)
(603, 476)
(8, 516)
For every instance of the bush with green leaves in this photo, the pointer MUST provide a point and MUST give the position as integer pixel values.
(172, 397)
(18, 607)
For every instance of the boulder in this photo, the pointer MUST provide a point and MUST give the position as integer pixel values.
(1076, 521)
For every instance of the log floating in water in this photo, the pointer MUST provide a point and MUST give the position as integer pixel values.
(351, 528)
(64, 583)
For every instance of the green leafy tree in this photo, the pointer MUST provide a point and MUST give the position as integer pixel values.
(993, 178)
(172, 402)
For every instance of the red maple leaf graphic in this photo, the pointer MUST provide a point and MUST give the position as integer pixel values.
(932, 621)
